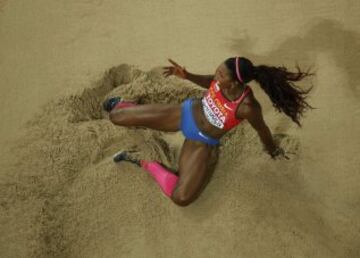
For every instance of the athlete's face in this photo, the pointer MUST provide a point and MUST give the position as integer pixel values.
(223, 76)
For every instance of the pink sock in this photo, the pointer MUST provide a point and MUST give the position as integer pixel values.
(165, 179)
(124, 104)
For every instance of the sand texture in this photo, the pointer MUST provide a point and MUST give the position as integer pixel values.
(61, 195)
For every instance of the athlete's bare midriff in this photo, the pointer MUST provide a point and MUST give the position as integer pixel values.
(203, 123)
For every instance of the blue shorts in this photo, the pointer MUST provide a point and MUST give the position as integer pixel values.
(189, 127)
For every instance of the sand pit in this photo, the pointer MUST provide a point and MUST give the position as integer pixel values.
(64, 196)
(61, 195)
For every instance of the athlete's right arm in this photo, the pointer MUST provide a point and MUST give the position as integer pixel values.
(201, 80)
(181, 72)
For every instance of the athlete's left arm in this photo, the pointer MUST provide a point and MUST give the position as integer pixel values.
(253, 113)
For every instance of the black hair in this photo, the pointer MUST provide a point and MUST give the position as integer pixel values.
(277, 82)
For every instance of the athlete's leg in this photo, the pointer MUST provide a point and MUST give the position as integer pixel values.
(196, 165)
(163, 117)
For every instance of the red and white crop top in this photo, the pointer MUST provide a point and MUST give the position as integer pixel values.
(218, 110)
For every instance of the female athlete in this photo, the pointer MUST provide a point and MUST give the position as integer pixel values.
(203, 121)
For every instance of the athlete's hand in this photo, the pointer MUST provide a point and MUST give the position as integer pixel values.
(176, 70)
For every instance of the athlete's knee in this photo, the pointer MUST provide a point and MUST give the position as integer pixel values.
(181, 202)
(181, 198)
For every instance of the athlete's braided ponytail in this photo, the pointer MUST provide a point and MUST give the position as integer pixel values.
(277, 82)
